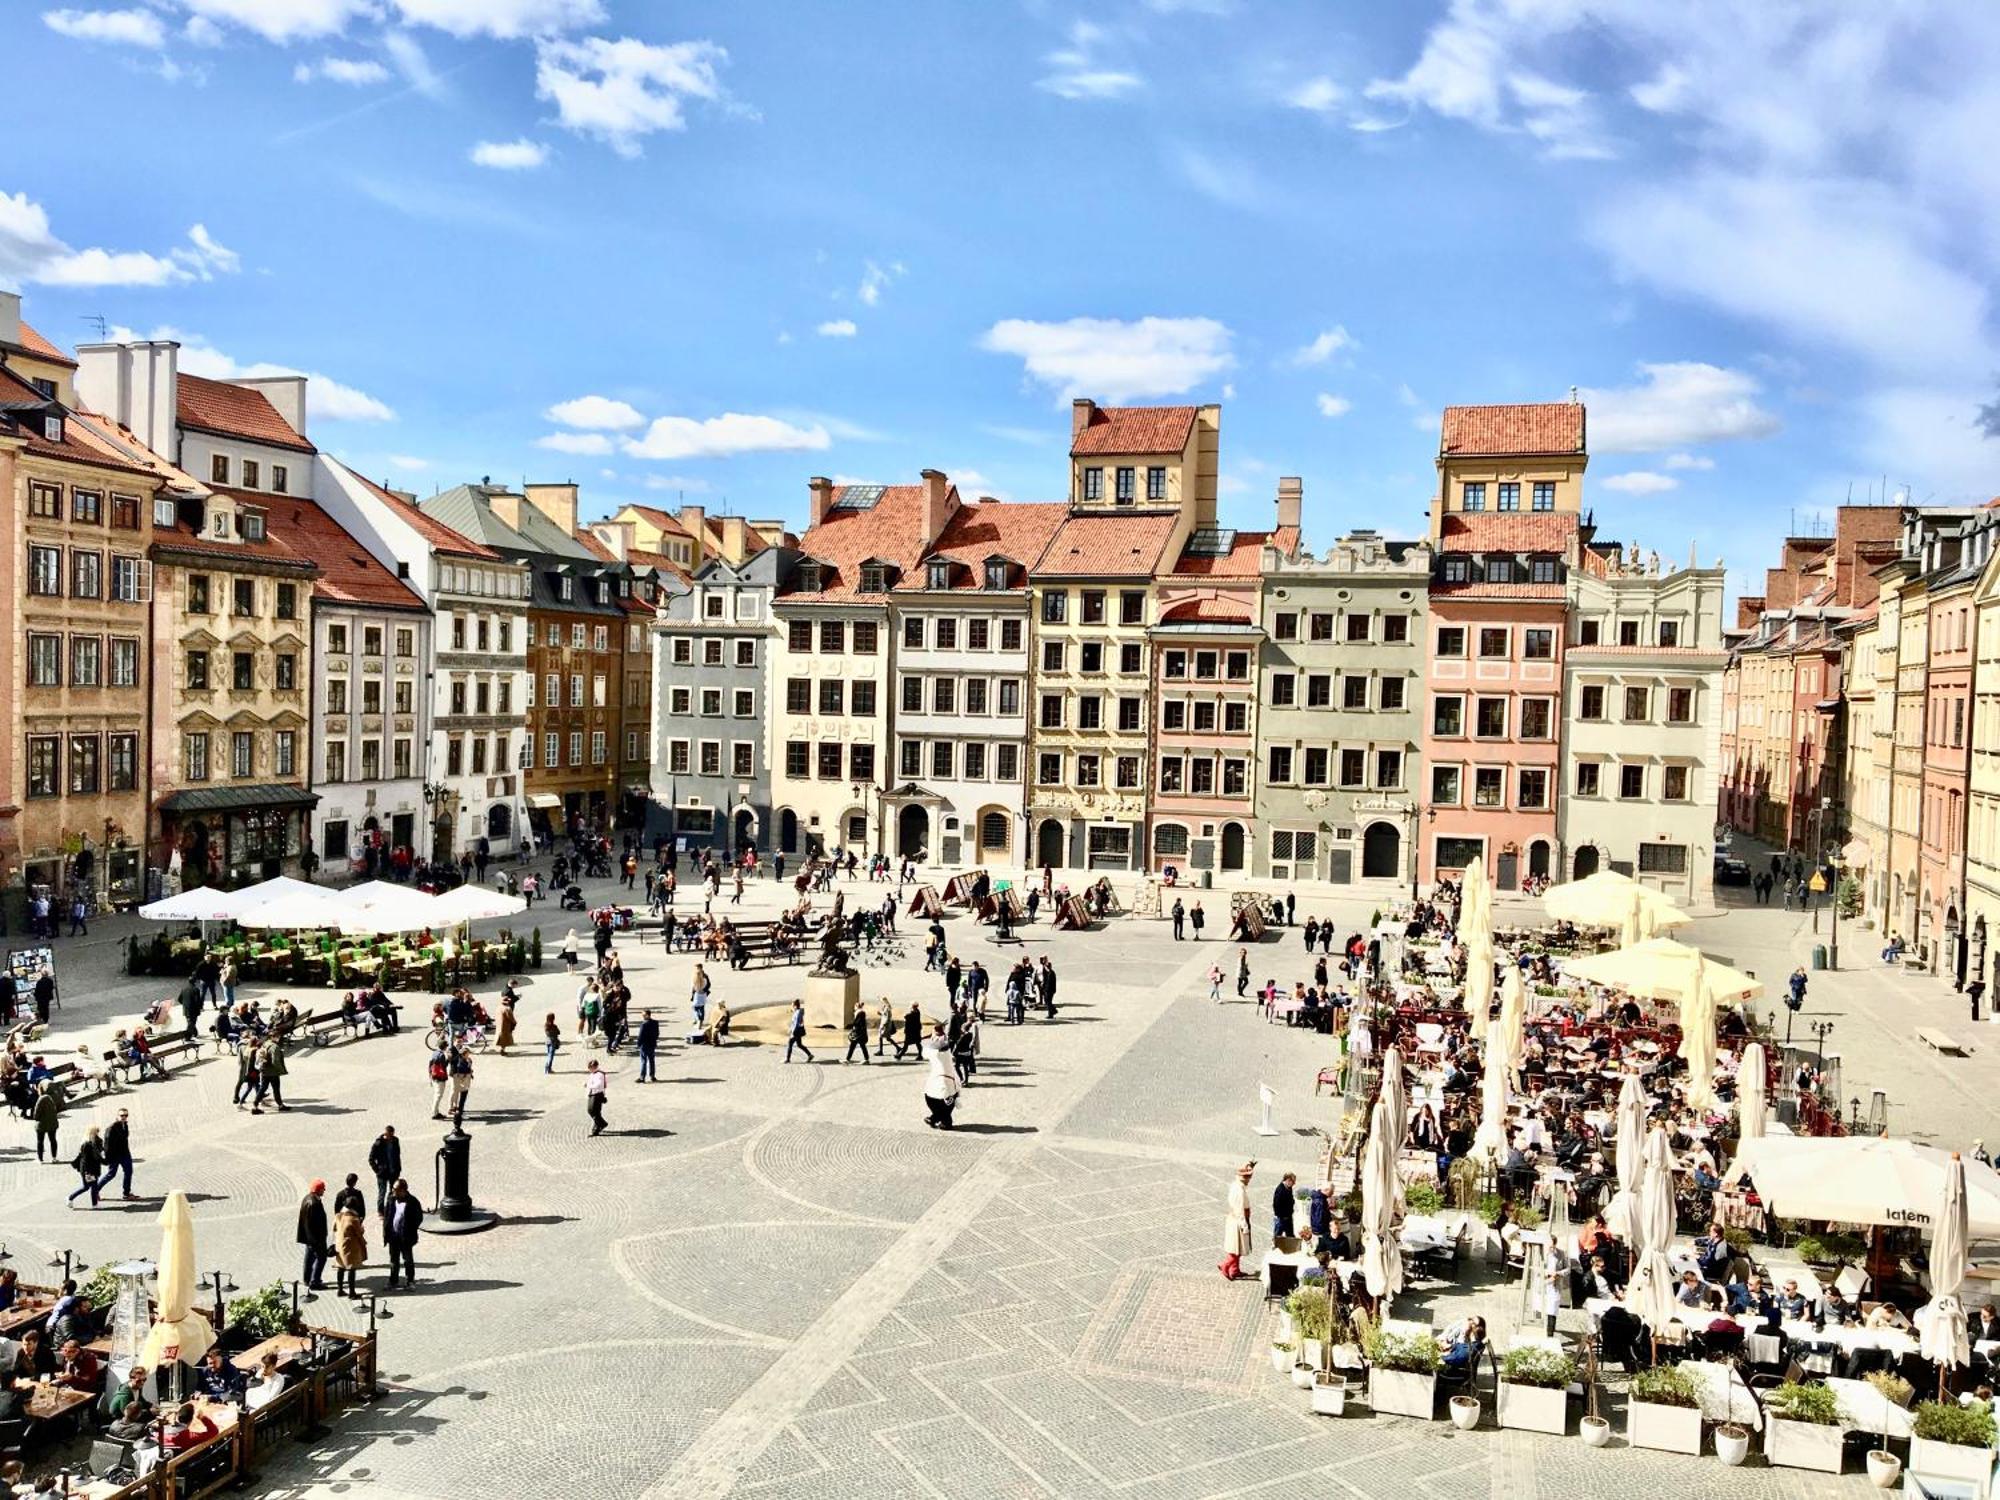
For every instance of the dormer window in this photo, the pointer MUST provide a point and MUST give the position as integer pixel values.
(44, 386)
(603, 592)
(996, 575)
(940, 575)
(219, 526)
(565, 586)
(52, 427)
(251, 525)
(1456, 570)
(809, 578)
(874, 578)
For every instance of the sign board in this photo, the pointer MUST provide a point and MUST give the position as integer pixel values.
(26, 965)
(1817, 883)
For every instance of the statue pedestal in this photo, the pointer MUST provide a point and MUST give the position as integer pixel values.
(831, 999)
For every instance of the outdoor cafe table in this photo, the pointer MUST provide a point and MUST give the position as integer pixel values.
(1864, 1407)
(23, 1315)
(287, 1346)
(51, 1401)
(1849, 1339)
(1722, 1394)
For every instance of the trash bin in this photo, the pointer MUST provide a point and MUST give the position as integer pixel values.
(1819, 955)
(1208, 880)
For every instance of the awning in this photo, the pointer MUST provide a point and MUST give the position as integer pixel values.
(544, 799)
(236, 798)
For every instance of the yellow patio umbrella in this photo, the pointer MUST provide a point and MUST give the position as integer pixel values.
(1510, 1042)
(1698, 1036)
(1605, 900)
(1661, 968)
(1475, 907)
(179, 1333)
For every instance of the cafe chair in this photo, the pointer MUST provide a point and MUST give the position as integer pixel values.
(110, 1457)
(12, 1435)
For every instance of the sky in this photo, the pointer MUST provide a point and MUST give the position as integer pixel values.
(701, 252)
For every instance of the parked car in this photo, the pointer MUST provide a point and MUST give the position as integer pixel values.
(1730, 871)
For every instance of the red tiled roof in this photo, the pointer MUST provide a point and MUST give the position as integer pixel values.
(273, 551)
(1134, 429)
(79, 444)
(440, 536)
(890, 530)
(991, 528)
(1510, 531)
(638, 557)
(1245, 558)
(349, 573)
(1537, 428)
(1107, 546)
(235, 411)
(1594, 651)
(659, 518)
(1554, 591)
(1207, 612)
(41, 348)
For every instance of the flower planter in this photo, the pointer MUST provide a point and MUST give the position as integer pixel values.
(1732, 1443)
(1282, 1359)
(1884, 1468)
(1287, 1329)
(1312, 1352)
(1302, 1376)
(1596, 1432)
(1932, 1459)
(1465, 1412)
(1329, 1397)
(1803, 1445)
(1402, 1393)
(1671, 1429)
(1532, 1408)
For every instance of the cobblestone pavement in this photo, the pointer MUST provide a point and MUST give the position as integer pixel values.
(771, 1280)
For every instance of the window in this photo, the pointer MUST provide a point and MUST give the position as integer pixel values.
(1538, 644)
(197, 670)
(1670, 632)
(742, 758)
(1087, 771)
(600, 640)
(1509, 496)
(45, 571)
(1319, 690)
(943, 753)
(285, 751)
(575, 690)
(1353, 692)
(711, 758)
(371, 696)
(1543, 570)
(1490, 718)
(1127, 485)
(45, 661)
(1536, 719)
(1638, 705)
(944, 695)
(1502, 570)
(1543, 495)
(1205, 665)
(1680, 705)
(1395, 629)
(1489, 786)
(1663, 859)
(1090, 713)
(678, 761)
(799, 636)
(1235, 778)
(243, 596)
(1456, 569)
(743, 705)
(45, 502)
(1235, 718)
(975, 695)
(832, 637)
(1590, 705)
(127, 579)
(552, 749)
(1284, 689)
(1631, 782)
(1451, 640)
(371, 758)
(251, 473)
(1353, 767)
(404, 761)
(1090, 658)
(1204, 718)
(1129, 710)
(86, 661)
(1445, 785)
(1472, 497)
(797, 759)
(711, 702)
(798, 695)
(242, 754)
(1278, 767)
(597, 747)
(1093, 484)
(1447, 716)
(576, 747)
(1055, 607)
(250, 524)
(1674, 784)
(947, 635)
(1132, 607)
(1628, 632)
(1048, 768)
(832, 695)
(121, 762)
(197, 757)
(913, 632)
(242, 671)
(861, 763)
(1170, 840)
(1156, 482)
(1391, 691)
(1317, 764)
(1007, 763)
(163, 510)
(1051, 715)
(1492, 642)
(1010, 635)
(86, 506)
(1534, 787)
(1091, 607)
(1131, 659)
(281, 478)
(1586, 778)
(288, 603)
(44, 775)
(1388, 770)
(1009, 698)
(746, 650)
(124, 662)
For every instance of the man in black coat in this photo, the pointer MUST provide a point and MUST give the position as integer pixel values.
(385, 1160)
(312, 1234)
(191, 1001)
(649, 1044)
(401, 1221)
(1045, 982)
(118, 1151)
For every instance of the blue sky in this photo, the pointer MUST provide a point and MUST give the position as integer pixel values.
(779, 239)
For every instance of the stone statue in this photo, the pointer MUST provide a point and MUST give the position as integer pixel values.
(832, 956)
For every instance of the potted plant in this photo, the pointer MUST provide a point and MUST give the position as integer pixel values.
(1663, 1411)
(1732, 1443)
(1329, 1393)
(1952, 1442)
(1302, 1376)
(1802, 1427)
(1884, 1467)
(1465, 1412)
(1534, 1390)
(1402, 1375)
(1423, 1196)
(1311, 1321)
(1284, 1354)
(1596, 1430)
(1831, 1248)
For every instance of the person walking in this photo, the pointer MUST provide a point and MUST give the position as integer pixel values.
(1197, 919)
(795, 1036)
(350, 1242)
(191, 1002)
(1283, 1206)
(551, 1039)
(1236, 1224)
(118, 1153)
(698, 992)
(439, 1072)
(460, 1063)
(270, 1074)
(48, 1117)
(1242, 972)
(941, 1084)
(594, 1085)
(1215, 983)
(402, 1218)
(88, 1164)
(227, 978)
(1045, 981)
(568, 951)
(312, 1235)
(857, 1035)
(913, 1032)
(885, 1035)
(1975, 992)
(385, 1160)
(506, 1037)
(649, 1046)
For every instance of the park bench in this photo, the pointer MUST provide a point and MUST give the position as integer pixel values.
(1939, 1041)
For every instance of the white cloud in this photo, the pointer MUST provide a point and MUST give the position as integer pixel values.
(1320, 95)
(408, 461)
(124, 28)
(1640, 482)
(1077, 70)
(692, 484)
(575, 442)
(1114, 360)
(623, 91)
(1665, 92)
(202, 32)
(596, 412)
(282, 21)
(724, 436)
(1675, 405)
(875, 278)
(407, 53)
(1688, 461)
(327, 399)
(509, 156)
(1323, 348)
(837, 328)
(31, 252)
(355, 72)
(1333, 406)
(505, 19)
(1931, 437)
(1228, 390)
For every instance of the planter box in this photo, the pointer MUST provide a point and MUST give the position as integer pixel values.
(1671, 1429)
(1400, 1393)
(1533, 1408)
(1802, 1445)
(1330, 1400)
(1931, 1459)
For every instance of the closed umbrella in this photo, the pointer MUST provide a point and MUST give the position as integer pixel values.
(179, 1333)
(1395, 1117)
(1479, 984)
(1632, 926)
(1513, 1016)
(1942, 1321)
(1629, 1144)
(1751, 1102)
(1651, 1293)
(1475, 907)
(1381, 1254)
(1492, 1133)
(1698, 1036)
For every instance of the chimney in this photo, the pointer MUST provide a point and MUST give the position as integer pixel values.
(1081, 410)
(617, 535)
(286, 392)
(10, 318)
(506, 506)
(822, 498)
(556, 501)
(136, 385)
(694, 521)
(1291, 500)
(937, 505)
(735, 538)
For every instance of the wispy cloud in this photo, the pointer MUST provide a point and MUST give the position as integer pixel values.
(523, 155)
(875, 279)
(724, 436)
(1228, 180)
(1335, 340)
(123, 28)
(1333, 406)
(1640, 482)
(622, 91)
(1674, 405)
(354, 72)
(31, 252)
(1114, 360)
(575, 442)
(1078, 70)
(837, 328)
(603, 413)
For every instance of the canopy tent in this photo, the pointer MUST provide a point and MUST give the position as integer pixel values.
(1662, 969)
(372, 893)
(1751, 1100)
(1629, 1143)
(205, 903)
(1605, 900)
(1651, 1293)
(1863, 1179)
(1381, 1251)
(178, 1331)
(473, 903)
(1698, 1036)
(1942, 1319)
(313, 908)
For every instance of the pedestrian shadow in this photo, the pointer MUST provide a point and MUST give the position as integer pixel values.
(982, 1128)
(510, 1115)
(533, 1221)
(463, 1284)
(644, 1132)
(694, 1080)
(322, 1109)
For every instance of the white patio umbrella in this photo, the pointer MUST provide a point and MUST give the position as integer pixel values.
(385, 906)
(1661, 968)
(1629, 1145)
(179, 1333)
(1942, 1321)
(1650, 1295)
(372, 893)
(314, 908)
(1475, 907)
(473, 903)
(1395, 1099)
(1751, 1102)
(1512, 1037)
(1492, 1133)
(1479, 984)
(1381, 1253)
(1863, 1179)
(1605, 900)
(1698, 1036)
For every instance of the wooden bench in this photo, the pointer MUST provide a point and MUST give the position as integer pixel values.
(1939, 1041)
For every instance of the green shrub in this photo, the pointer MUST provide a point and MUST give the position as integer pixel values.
(261, 1315)
(1411, 1353)
(1891, 1385)
(1813, 1404)
(1423, 1196)
(1665, 1385)
(1543, 1368)
(1488, 1207)
(1948, 1422)
(1738, 1240)
(101, 1289)
(1309, 1317)
(1831, 1248)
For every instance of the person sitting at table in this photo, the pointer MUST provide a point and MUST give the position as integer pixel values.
(1592, 1235)
(35, 1356)
(1792, 1302)
(266, 1387)
(218, 1379)
(1985, 1324)
(1714, 1254)
(1465, 1349)
(132, 1422)
(1886, 1315)
(10, 1288)
(1693, 1292)
(77, 1368)
(1835, 1310)
(1752, 1296)
(188, 1429)
(132, 1392)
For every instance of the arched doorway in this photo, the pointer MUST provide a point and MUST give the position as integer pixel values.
(746, 829)
(1382, 852)
(499, 821)
(1538, 859)
(913, 830)
(993, 836)
(788, 831)
(1232, 846)
(1049, 842)
(1585, 863)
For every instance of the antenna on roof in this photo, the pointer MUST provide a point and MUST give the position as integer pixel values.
(103, 328)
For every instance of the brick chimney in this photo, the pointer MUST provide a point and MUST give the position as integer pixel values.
(1081, 410)
(617, 535)
(1291, 500)
(287, 393)
(1749, 607)
(822, 498)
(557, 502)
(694, 521)
(506, 506)
(938, 504)
(735, 538)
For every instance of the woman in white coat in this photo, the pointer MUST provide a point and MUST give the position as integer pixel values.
(941, 1084)
(1236, 1226)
